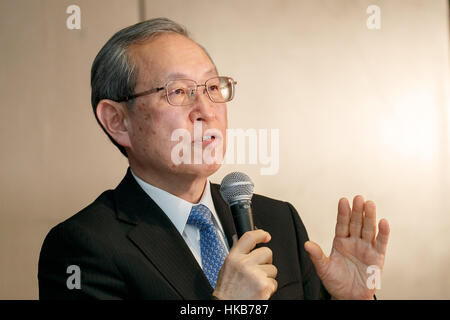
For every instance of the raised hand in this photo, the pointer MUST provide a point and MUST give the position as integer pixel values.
(345, 272)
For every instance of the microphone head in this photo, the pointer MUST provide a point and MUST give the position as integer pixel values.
(236, 186)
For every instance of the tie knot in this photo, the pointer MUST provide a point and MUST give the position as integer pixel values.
(200, 217)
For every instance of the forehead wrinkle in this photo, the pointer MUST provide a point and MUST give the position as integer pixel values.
(181, 75)
(145, 62)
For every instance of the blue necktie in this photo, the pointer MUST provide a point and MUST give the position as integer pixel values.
(213, 251)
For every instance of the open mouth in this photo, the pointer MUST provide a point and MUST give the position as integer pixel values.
(208, 138)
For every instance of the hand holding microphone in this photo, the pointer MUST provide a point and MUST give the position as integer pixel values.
(247, 273)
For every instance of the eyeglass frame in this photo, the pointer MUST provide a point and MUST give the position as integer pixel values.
(154, 90)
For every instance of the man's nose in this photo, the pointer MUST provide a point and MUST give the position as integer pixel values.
(203, 107)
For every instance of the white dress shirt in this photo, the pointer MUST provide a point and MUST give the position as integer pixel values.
(178, 210)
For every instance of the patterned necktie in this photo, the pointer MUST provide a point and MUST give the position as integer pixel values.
(213, 251)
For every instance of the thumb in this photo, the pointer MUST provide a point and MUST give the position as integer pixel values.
(317, 256)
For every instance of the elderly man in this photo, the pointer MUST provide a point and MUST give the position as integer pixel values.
(165, 232)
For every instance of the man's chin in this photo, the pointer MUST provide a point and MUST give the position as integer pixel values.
(199, 170)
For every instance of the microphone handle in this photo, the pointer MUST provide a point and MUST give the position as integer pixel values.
(242, 216)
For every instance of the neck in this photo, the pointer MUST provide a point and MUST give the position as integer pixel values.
(189, 188)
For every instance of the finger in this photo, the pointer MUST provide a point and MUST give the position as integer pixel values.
(383, 236)
(249, 240)
(270, 270)
(274, 286)
(271, 285)
(343, 218)
(370, 222)
(261, 255)
(318, 258)
(356, 217)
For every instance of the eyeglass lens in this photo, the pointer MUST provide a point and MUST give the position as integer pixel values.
(182, 92)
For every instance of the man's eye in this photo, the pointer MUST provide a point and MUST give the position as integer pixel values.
(213, 88)
(179, 91)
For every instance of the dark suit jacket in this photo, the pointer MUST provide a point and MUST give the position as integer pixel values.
(127, 248)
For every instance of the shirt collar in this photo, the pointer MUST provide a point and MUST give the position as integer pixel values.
(177, 209)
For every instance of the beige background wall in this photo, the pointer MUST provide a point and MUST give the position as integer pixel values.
(359, 112)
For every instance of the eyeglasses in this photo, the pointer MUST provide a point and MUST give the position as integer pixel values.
(182, 92)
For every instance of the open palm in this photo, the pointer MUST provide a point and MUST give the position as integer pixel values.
(345, 272)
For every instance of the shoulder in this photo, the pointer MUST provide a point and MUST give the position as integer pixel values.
(269, 204)
(101, 210)
(89, 225)
(88, 240)
(270, 212)
(267, 209)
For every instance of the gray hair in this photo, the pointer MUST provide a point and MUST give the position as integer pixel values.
(114, 74)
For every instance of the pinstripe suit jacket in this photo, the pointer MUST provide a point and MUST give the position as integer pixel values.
(127, 248)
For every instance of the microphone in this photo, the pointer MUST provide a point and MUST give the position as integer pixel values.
(237, 190)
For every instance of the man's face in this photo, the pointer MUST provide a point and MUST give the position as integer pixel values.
(153, 121)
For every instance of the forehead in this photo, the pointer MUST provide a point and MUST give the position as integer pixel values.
(170, 56)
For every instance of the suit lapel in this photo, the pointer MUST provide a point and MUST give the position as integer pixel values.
(159, 240)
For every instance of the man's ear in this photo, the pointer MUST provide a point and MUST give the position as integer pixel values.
(112, 116)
